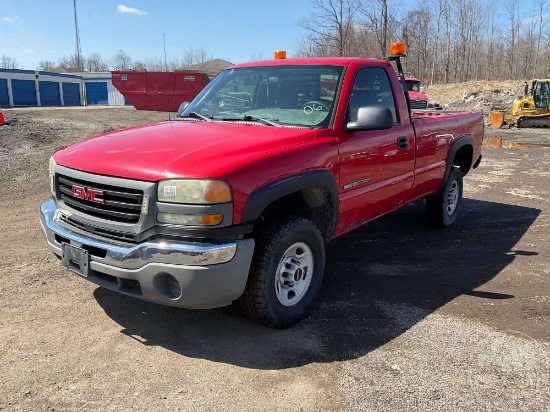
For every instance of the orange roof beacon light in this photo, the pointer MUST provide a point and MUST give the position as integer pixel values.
(398, 49)
(280, 54)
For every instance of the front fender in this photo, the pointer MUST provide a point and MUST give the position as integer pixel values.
(262, 197)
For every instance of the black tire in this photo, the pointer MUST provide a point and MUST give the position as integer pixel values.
(265, 298)
(442, 208)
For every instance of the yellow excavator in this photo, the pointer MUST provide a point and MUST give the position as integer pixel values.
(530, 111)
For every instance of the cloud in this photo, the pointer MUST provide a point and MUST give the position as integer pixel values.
(7, 19)
(27, 50)
(124, 9)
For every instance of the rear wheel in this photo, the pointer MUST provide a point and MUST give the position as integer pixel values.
(442, 207)
(286, 272)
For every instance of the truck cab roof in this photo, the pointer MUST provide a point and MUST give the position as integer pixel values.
(334, 61)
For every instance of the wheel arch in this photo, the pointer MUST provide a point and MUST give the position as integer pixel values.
(312, 195)
(461, 155)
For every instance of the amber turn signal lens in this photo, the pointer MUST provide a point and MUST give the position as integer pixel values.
(210, 220)
(398, 48)
(217, 192)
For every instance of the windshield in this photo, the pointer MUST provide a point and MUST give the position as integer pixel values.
(541, 94)
(413, 86)
(286, 95)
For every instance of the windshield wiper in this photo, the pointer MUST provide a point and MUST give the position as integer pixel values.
(249, 118)
(195, 115)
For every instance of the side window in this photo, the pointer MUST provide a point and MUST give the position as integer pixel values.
(371, 88)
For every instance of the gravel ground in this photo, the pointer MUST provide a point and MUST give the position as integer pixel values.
(409, 317)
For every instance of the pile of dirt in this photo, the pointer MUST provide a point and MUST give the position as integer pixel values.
(477, 95)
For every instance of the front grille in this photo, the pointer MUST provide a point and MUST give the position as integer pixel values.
(120, 204)
(419, 104)
(112, 234)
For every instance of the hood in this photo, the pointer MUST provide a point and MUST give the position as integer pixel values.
(164, 150)
(417, 96)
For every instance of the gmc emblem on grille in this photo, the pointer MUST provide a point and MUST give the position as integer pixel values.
(87, 194)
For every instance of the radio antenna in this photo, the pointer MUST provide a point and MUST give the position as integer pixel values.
(165, 67)
(165, 64)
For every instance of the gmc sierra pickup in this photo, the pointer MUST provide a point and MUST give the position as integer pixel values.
(235, 199)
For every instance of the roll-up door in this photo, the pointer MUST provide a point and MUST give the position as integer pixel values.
(71, 94)
(24, 93)
(4, 97)
(96, 93)
(49, 93)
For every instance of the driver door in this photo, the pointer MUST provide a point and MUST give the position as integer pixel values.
(376, 166)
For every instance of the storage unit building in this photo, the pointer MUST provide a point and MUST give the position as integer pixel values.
(38, 88)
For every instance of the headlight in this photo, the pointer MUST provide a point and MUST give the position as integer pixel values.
(194, 191)
(52, 175)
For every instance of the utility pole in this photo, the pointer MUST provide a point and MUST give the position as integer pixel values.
(78, 52)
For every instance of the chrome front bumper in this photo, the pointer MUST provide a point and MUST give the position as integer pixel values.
(208, 274)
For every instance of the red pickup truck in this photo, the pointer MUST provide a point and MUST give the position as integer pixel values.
(235, 199)
(418, 100)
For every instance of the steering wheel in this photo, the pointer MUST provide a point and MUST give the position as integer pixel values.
(313, 106)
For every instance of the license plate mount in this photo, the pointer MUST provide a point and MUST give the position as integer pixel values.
(75, 259)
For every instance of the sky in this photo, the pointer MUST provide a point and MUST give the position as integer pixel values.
(233, 30)
(31, 31)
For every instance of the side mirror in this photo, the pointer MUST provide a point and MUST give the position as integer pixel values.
(371, 118)
(182, 107)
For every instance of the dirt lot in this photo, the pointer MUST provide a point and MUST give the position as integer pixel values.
(409, 317)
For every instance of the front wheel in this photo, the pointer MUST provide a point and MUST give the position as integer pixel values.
(286, 272)
(442, 207)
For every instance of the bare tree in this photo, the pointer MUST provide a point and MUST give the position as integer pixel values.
(201, 55)
(7, 62)
(257, 56)
(511, 7)
(332, 24)
(139, 66)
(193, 56)
(70, 62)
(543, 19)
(95, 63)
(491, 36)
(310, 46)
(416, 33)
(188, 57)
(121, 61)
(379, 16)
(441, 7)
(46, 65)
(173, 64)
(155, 65)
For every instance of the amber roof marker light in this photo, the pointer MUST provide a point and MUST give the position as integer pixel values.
(279, 54)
